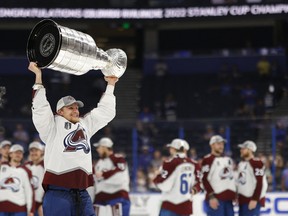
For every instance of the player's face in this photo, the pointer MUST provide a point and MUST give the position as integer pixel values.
(218, 148)
(172, 151)
(4, 151)
(102, 151)
(35, 154)
(16, 156)
(71, 113)
(244, 153)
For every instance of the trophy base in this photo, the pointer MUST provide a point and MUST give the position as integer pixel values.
(44, 43)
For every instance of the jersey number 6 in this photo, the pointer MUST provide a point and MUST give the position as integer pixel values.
(185, 181)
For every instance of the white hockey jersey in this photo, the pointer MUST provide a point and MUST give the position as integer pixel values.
(115, 181)
(16, 192)
(176, 179)
(252, 182)
(37, 178)
(218, 177)
(67, 155)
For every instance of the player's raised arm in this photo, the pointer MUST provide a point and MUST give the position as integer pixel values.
(42, 114)
(105, 110)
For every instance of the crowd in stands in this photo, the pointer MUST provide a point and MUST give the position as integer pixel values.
(227, 92)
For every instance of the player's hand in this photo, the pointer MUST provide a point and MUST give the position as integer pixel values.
(193, 191)
(252, 204)
(31, 214)
(34, 68)
(111, 80)
(99, 174)
(214, 203)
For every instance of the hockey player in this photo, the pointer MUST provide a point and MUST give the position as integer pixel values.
(67, 158)
(4, 150)
(218, 180)
(252, 183)
(36, 165)
(16, 192)
(178, 180)
(112, 178)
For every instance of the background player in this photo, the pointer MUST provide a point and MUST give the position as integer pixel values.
(252, 182)
(36, 165)
(218, 180)
(112, 178)
(16, 192)
(4, 150)
(178, 180)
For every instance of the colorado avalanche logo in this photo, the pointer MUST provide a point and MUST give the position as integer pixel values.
(35, 182)
(76, 140)
(242, 178)
(226, 173)
(10, 183)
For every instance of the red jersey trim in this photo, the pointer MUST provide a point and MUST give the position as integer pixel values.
(77, 179)
(102, 197)
(6, 206)
(184, 208)
(224, 196)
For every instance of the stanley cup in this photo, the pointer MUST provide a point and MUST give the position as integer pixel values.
(63, 49)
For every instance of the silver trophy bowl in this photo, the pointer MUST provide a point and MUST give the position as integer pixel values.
(66, 50)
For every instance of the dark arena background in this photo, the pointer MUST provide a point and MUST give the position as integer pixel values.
(195, 69)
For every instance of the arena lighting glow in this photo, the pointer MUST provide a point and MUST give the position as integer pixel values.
(152, 13)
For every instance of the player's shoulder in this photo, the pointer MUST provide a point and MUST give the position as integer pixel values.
(256, 162)
(5, 163)
(171, 164)
(28, 163)
(176, 161)
(207, 156)
(172, 161)
(208, 159)
(194, 162)
(25, 169)
(117, 158)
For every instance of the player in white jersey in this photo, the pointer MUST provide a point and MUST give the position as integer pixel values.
(218, 180)
(36, 165)
(16, 192)
(112, 178)
(178, 180)
(67, 158)
(252, 183)
(4, 150)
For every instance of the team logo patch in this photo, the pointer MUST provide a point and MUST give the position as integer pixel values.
(10, 183)
(67, 125)
(226, 173)
(242, 178)
(77, 140)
